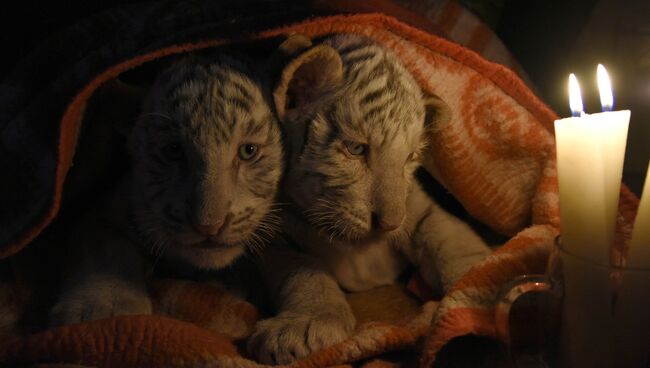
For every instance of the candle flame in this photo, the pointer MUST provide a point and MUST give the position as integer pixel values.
(575, 97)
(605, 88)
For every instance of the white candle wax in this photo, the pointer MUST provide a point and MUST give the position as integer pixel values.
(590, 152)
(639, 253)
(615, 125)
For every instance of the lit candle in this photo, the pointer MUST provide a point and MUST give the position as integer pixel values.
(615, 125)
(590, 152)
(639, 253)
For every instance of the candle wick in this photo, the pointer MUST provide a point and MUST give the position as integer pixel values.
(607, 108)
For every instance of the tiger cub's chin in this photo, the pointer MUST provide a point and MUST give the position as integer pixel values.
(205, 253)
(213, 257)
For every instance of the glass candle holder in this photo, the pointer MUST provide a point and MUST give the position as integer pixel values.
(576, 315)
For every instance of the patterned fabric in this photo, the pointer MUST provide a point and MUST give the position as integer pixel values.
(496, 157)
(452, 21)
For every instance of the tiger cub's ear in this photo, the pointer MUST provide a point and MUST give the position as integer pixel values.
(293, 45)
(437, 112)
(310, 74)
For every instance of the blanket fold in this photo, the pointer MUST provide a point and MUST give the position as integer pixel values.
(496, 156)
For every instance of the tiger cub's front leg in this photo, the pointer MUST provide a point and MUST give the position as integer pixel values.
(443, 247)
(312, 310)
(105, 276)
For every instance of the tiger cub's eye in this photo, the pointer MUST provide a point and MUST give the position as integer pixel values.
(414, 156)
(356, 148)
(247, 151)
(173, 151)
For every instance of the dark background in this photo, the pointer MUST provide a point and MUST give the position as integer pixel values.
(549, 38)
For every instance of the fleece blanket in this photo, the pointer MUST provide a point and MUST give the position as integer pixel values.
(495, 156)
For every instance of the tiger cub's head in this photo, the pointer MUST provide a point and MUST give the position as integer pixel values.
(207, 160)
(357, 122)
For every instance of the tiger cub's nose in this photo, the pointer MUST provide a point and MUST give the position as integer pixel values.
(209, 230)
(385, 223)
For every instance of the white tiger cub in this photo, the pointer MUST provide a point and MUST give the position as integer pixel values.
(207, 158)
(356, 123)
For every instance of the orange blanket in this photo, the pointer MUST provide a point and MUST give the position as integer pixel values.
(496, 156)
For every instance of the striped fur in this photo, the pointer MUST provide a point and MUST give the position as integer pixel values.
(206, 162)
(338, 191)
(207, 111)
(358, 218)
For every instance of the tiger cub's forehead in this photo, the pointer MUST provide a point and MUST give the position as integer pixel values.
(221, 99)
(379, 99)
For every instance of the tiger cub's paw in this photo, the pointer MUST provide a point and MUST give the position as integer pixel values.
(292, 336)
(95, 301)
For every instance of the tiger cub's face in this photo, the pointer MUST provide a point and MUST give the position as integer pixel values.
(357, 144)
(207, 161)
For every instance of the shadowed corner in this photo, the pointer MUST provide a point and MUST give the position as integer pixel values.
(472, 352)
